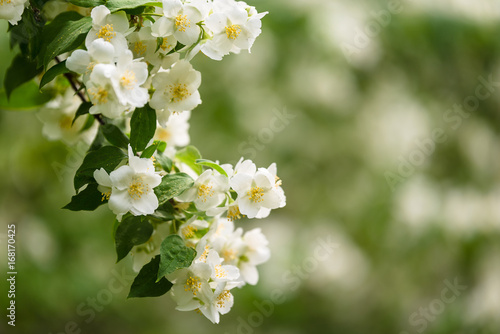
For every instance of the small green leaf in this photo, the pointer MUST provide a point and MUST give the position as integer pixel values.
(174, 254)
(149, 151)
(107, 157)
(211, 164)
(132, 231)
(142, 127)
(27, 33)
(65, 33)
(165, 162)
(53, 72)
(145, 284)
(88, 199)
(189, 155)
(172, 185)
(115, 136)
(115, 5)
(82, 110)
(25, 97)
(21, 70)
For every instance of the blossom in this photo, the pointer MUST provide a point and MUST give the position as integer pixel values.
(127, 78)
(144, 45)
(176, 89)
(256, 252)
(180, 20)
(221, 272)
(102, 94)
(12, 10)
(57, 116)
(131, 187)
(175, 130)
(189, 284)
(83, 62)
(232, 29)
(208, 191)
(189, 230)
(216, 302)
(258, 192)
(110, 27)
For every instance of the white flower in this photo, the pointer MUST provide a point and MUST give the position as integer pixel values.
(216, 302)
(174, 131)
(83, 62)
(143, 44)
(132, 187)
(189, 284)
(12, 10)
(258, 193)
(188, 231)
(208, 191)
(256, 252)
(221, 272)
(57, 116)
(110, 27)
(127, 78)
(232, 28)
(102, 94)
(180, 21)
(176, 89)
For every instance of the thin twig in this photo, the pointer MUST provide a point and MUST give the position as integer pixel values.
(78, 92)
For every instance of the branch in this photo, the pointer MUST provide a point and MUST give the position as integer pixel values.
(72, 82)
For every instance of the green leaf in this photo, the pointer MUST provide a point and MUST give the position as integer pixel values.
(149, 151)
(115, 5)
(142, 127)
(165, 212)
(174, 254)
(25, 97)
(107, 157)
(53, 72)
(145, 284)
(82, 110)
(115, 136)
(88, 199)
(172, 185)
(189, 155)
(165, 162)
(132, 231)
(27, 33)
(20, 71)
(211, 164)
(65, 33)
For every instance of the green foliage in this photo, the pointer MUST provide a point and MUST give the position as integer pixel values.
(20, 71)
(82, 110)
(150, 150)
(211, 164)
(65, 33)
(132, 231)
(189, 155)
(174, 255)
(115, 136)
(107, 157)
(25, 97)
(88, 199)
(165, 162)
(27, 34)
(53, 72)
(115, 5)
(142, 127)
(145, 283)
(172, 185)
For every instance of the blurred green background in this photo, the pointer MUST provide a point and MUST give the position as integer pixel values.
(365, 89)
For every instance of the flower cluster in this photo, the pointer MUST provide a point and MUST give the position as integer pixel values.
(175, 212)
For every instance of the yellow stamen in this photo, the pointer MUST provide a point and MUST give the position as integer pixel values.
(256, 194)
(219, 272)
(106, 32)
(137, 188)
(233, 31)
(204, 191)
(140, 48)
(193, 284)
(189, 231)
(181, 22)
(229, 255)
(105, 196)
(224, 297)
(179, 92)
(233, 213)
(99, 95)
(128, 80)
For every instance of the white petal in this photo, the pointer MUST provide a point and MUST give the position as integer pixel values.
(122, 177)
(102, 177)
(119, 201)
(98, 14)
(78, 61)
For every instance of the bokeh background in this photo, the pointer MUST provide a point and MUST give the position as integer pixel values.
(365, 88)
